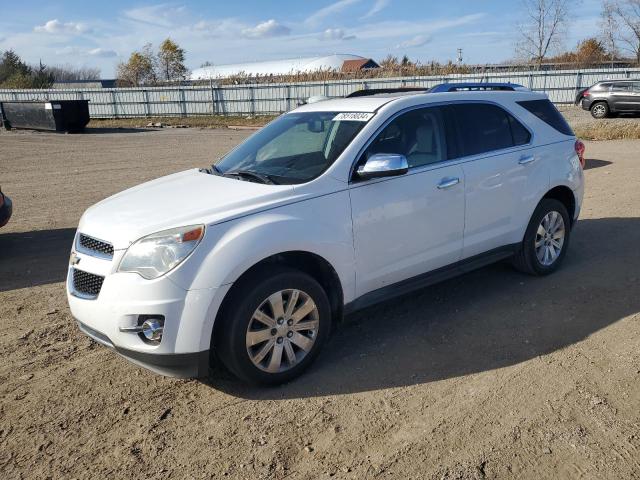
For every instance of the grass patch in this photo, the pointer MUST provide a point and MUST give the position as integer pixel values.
(609, 130)
(210, 121)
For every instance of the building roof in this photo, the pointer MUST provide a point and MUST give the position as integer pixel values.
(277, 67)
(106, 83)
(359, 64)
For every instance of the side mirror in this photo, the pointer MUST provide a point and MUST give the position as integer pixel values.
(383, 165)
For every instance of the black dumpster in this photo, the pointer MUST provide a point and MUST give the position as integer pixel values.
(56, 115)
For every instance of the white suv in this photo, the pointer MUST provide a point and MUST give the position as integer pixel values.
(331, 207)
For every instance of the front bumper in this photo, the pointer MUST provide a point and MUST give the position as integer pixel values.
(124, 297)
(181, 365)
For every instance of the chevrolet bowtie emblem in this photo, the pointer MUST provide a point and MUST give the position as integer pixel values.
(74, 259)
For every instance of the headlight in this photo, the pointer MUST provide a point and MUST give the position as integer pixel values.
(158, 253)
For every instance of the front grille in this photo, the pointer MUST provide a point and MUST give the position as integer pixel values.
(87, 283)
(94, 245)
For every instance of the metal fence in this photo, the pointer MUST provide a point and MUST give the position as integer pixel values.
(269, 98)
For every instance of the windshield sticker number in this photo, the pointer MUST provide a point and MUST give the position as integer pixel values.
(353, 117)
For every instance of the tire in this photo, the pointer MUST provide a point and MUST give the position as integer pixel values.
(250, 305)
(527, 258)
(600, 110)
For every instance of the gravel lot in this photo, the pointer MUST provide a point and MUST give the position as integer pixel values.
(493, 374)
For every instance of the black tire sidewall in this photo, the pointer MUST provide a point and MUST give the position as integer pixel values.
(246, 299)
(545, 206)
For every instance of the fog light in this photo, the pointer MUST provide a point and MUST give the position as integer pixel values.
(152, 329)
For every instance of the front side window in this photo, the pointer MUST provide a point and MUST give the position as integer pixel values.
(418, 134)
(294, 148)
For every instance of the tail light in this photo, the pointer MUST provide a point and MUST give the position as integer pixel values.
(580, 148)
(586, 93)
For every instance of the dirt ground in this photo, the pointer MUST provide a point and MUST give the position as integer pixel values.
(490, 375)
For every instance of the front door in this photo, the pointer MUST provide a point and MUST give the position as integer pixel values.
(411, 224)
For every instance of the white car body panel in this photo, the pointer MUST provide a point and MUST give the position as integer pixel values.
(373, 233)
(404, 226)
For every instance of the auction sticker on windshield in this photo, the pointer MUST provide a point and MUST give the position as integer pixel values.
(353, 117)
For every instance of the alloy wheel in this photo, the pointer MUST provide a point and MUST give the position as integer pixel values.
(282, 330)
(550, 238)
(599, 110)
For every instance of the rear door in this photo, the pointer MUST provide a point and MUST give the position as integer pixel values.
(501, 171)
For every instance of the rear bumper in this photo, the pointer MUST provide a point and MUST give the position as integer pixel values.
(180, 365)
(586, 104)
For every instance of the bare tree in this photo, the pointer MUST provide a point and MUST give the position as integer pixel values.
(66, 73)
(543, 29)
(627, 15)
(609, 28)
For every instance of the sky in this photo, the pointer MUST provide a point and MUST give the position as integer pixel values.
(101, 34)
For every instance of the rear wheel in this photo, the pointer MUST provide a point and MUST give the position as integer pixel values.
(546, 240)
(600, 110)
(274, 326)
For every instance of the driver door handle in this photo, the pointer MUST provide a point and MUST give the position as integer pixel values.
(448, 182)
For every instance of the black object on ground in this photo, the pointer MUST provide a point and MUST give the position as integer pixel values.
(55, 115)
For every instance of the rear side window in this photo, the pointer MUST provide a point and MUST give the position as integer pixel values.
(622, 87)
(483, 128)
(545, 111)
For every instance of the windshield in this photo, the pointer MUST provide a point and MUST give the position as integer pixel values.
(294, 148)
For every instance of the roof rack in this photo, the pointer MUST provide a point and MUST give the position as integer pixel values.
(476, 86)
(378, 91)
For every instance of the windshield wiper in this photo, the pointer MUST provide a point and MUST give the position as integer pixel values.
(260, 177)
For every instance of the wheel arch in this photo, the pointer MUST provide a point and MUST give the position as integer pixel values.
(564, 195)
(310, 263)
(601, 100)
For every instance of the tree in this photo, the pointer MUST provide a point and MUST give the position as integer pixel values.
(12, 65)
(543, 29)
(41, 77)
(67, 73)
(170, 60)
(138, 70)
(609, 28)
(627, 16)
(14, 73)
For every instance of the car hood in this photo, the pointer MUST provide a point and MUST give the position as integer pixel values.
(185, 198)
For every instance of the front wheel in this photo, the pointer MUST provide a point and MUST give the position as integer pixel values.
(274, 326)
(546, 240)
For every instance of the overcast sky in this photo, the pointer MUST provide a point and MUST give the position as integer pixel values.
(100, 34)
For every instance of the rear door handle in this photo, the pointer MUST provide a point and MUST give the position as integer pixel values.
(526, 159)
(448, 182)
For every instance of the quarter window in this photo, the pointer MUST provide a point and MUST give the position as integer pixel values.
(545, 111)
(418, 134)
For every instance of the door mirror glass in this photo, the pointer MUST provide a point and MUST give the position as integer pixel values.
(383, 165)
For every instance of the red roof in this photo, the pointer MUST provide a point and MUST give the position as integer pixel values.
(359, 64)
